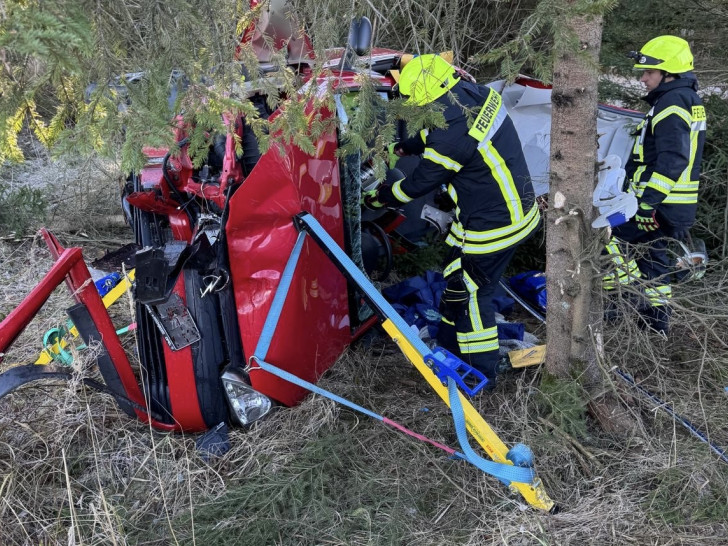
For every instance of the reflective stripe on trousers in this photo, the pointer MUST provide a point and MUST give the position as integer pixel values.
(654, 264)
(473, 334)
(625, 269)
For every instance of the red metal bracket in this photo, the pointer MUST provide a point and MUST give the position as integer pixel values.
(70, 266)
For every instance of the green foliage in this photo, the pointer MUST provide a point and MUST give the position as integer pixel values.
(614, 92)
(58, 32)
(306, 118)
(531, 254)
(63, 46)
(41, 44)
(543, 37)
(466, 27)
(564, 404)
(80, 128)
(431, 255)
(714, 156)
(369, 126)
(701, 22)
(711, 222)
(20, 209)
(372, 123)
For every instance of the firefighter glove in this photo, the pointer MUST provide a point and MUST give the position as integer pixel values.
(370, 199)
(645, 218)
(393, 156)
(455, 297)
(681, 233)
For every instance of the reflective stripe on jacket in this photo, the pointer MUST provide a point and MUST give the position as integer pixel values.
(664, 167)
(483, 167)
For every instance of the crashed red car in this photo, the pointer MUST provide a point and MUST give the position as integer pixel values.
(213, 244)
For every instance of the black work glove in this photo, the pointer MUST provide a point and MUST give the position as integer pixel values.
(443, 201)
(455, 297)
(681, 233)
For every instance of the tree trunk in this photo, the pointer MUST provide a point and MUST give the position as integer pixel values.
(574, 316)
(574, 323)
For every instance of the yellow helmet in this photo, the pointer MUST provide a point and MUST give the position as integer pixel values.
(668, 53)
(426, 78)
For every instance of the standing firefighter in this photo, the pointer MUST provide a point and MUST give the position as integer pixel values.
(664, 167)
(486, 175)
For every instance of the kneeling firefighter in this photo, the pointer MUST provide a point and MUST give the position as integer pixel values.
(664, 167)
(485, 172)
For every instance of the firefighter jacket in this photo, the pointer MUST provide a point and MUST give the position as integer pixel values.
(483, 167)
(664, 166)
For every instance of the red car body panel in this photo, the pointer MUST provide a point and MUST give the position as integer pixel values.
(314, 325)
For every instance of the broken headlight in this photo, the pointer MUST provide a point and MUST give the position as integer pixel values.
(247, 404)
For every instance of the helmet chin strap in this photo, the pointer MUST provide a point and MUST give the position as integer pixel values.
(666, 75)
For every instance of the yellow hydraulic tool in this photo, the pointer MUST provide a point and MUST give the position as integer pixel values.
(55, 339)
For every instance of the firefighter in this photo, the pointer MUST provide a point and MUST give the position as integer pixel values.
(478, 157)
(664, 167)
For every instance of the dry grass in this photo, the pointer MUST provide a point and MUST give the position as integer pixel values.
(81, 198)
(75, 470)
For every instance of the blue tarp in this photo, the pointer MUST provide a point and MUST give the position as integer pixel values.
(531, 286)
(417, 299)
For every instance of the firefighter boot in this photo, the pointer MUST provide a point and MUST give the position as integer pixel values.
(486, 363)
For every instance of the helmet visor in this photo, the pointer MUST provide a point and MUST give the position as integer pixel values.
(644, 60)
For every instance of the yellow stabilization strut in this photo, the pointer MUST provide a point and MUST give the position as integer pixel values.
(534, 493)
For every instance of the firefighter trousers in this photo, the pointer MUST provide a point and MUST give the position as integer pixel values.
(468, 328)
(655, 270)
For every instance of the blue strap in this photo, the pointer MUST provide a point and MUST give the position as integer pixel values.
(504, 472)
(287, 376)
(271, 321)
(283, 374)
(364, 284)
